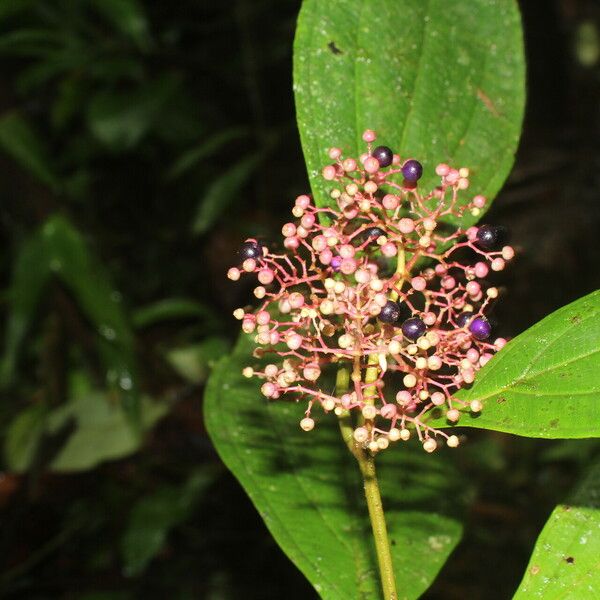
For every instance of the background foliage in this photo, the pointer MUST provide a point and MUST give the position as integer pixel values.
(141, 142)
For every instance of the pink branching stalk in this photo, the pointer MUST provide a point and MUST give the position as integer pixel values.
(379, 285)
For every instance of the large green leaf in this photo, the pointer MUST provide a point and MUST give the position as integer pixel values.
(545, 382)
(565, 564)
(438, 80)
(308, 491)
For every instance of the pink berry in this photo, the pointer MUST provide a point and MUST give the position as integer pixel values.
(369, 136)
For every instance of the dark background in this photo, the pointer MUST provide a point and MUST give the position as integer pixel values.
(142, 119)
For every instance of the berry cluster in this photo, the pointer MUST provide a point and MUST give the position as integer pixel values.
(382, 286)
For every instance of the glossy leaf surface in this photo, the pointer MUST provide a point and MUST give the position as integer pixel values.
(439, 81)
(307, 489)
(565, 563)
(545, 382)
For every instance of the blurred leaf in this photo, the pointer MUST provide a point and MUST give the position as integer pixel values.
(31, 42)
(565, 564)
(31, 271)
(119, 120)
(194, 363)
(210, 146)
(308, 490)
(71, 260)
(222, 193)
(115, 595)
(129, 17)
(580, 451)
(69, 100)
(20, 141)
(10, 7)
(156, 514)
(171, 309)
(23, 437)
(52, 64)
(102, 430)
(58, 248)
(545, 382)
(439, 81)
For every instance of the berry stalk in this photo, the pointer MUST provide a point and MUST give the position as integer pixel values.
(366, 463)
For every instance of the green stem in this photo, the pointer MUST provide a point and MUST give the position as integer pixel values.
(366, 463)
(377, 517)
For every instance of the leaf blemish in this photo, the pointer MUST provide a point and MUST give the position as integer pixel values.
(334, 49)
(576, 319)
(487, 102)
(570, 560)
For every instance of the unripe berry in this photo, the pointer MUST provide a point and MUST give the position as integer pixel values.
(475, 406)
(452, 441)
(361, 435)
(453, 415)
(429, 445)
(371, 165)
(394, 434)
(307, 424)
(438, 398)
(369, 411)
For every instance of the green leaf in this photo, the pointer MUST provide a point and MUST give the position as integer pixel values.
(30, 274)
(129, 17)
(102, 430)
(19, 140)
(72, 261)
(565, 563)
(194, 362)
(545, 382)
(119, 120)
(439, 81)
(222, 192)
(23, 436)
(171, 309)
(308, 491)
(156, 514)
(59, 249)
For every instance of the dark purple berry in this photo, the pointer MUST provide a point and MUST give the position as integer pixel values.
(373, 233)
(463, 319)
(390, 312)
(490, 237)
(384, 156)
(413, 328)
(250, 250)
(336, 263)
(412, 170)
(480, 328)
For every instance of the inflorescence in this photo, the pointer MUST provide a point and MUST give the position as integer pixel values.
(384, 286)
